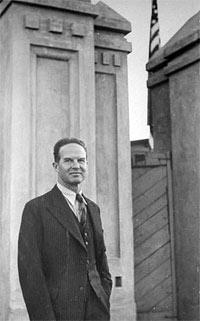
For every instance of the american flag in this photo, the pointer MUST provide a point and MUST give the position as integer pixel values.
(154, 39)
(154, 45)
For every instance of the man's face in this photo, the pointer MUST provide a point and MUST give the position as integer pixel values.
(72, 166)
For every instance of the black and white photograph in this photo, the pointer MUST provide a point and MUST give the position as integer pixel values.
(99, 160)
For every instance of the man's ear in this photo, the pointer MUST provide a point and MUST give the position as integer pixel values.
(55, 166)
(87, 167)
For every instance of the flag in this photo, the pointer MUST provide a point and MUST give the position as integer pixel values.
(154, 45)
(154, 39)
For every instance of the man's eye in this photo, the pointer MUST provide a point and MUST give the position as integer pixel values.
(82, 161)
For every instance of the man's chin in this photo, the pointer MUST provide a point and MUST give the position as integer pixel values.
(76, 182)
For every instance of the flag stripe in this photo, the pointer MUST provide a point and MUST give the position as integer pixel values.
(154, 29)
(154, 44)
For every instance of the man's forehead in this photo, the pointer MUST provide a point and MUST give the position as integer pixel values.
(71, 149)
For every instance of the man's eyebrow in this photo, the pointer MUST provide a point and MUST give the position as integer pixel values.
(71, 158)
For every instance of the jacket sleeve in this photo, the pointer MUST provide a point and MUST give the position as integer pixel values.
(103, 268)
(31, 276)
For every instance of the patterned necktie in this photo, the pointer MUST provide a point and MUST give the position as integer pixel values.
(83, 210)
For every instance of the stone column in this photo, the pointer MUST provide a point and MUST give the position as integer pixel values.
(175, 74)
(113, 154)
(49, 89)
(184, 78)
(48, 58)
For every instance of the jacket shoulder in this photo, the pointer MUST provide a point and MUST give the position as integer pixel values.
(39, 200)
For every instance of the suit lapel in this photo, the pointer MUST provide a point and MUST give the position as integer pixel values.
(94, 216)
(96, 223)
(58, 206)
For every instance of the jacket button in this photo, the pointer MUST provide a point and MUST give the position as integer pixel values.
(86, 243)
(81, 288)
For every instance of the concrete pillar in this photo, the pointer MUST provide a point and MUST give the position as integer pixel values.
(184, 75)
(176, 73)
(50, 88)
(113, 148)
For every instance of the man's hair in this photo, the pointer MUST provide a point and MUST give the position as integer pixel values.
(66, 141)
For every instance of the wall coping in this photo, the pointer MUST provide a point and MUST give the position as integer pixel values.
(188, 51)
(105, 17)
(81, 7)
(187, 37)
(111, 20)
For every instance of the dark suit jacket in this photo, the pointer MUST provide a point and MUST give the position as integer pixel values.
(52, 259)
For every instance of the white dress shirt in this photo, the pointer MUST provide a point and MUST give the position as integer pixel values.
(70, 197)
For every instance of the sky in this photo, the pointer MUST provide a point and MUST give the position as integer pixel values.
(172, 16)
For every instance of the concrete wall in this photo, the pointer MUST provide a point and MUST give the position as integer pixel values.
(64, 73)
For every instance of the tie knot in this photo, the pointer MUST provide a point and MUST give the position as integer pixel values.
(79, 198)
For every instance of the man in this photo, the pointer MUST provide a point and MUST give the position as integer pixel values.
(62, 261)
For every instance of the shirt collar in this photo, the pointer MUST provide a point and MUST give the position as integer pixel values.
(69, 194)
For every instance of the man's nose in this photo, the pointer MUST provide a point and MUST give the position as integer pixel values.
(75, 163)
